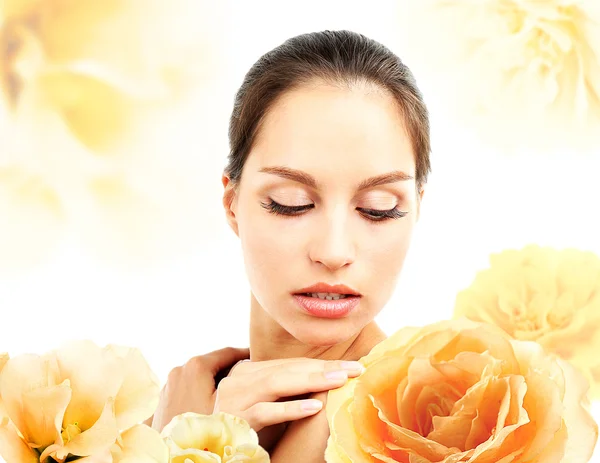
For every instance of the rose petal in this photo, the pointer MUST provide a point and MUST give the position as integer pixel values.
(578, 421)
(102, 457)
(95, 375)
(212, 432)
(336, 398)
(26, 373)
(4, 357)
(533, 358)
(139, 393)
(454, 430)
(380, 380)
(193, 456)
(375, 430)
(504, 442)
(248, 453)
(399, 340)
(342, 445)
(492, 340)
(511, 410)
(543, 403)
(95, 440)
(420, 374)
(141, 444)
(43, 410)
(13, 449)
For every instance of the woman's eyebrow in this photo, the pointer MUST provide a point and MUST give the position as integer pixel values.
(308, 180)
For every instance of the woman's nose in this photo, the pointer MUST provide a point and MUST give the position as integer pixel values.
(332, 245)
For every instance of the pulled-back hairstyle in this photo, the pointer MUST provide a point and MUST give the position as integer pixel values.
(337, 57)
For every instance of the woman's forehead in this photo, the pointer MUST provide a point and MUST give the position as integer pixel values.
(328, 124)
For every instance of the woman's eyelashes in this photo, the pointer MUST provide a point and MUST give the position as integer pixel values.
(280, 209)
(377, 215)
(374, 215)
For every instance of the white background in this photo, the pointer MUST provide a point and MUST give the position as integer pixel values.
(478, 201)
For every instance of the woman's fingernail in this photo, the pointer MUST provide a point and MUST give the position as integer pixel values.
(353, 366)
(312, 405)
(336, 375)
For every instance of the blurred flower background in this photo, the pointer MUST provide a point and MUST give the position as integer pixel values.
(86, 88)
(113, 137)
(525, 73)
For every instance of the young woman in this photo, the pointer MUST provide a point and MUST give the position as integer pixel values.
(330, 147)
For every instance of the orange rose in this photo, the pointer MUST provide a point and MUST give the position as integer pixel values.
(461, 391)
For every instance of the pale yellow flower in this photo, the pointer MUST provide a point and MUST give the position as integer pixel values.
(3, 359)
(140, 444)
(545, 295)
(97, 64)
(85, 87)
(526, 73)
(460, 391)
(218, 438)
(73, 402)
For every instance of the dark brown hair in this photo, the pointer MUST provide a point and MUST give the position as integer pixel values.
(339, 57)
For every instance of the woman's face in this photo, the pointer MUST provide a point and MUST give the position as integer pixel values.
(327, 195)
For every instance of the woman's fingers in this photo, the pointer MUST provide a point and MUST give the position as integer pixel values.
(265, 414)
(254, 390)
(288, 380)
(239, 393)
(282, 383)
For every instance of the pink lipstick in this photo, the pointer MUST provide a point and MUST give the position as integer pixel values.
(327, 301)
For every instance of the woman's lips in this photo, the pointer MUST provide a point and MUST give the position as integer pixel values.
(324, 308)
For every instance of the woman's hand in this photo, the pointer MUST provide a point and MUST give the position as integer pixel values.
(191, 387)
(295, 447)
(253, 390)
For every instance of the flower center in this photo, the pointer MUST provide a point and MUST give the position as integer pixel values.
(70, 431)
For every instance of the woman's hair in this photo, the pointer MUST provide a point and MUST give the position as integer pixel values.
(337, 57)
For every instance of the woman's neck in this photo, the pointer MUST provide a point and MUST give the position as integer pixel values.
(268, 341)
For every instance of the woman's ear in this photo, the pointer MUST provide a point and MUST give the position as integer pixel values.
(420, 194)
(229, 202)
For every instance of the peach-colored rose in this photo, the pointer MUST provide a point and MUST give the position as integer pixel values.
(218, 438)
(3, 359)
(545, 295)
(461, 391)
(74, 402)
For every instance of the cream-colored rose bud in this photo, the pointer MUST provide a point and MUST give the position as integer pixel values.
(218, 438)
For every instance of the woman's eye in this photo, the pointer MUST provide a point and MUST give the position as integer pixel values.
(377, 215)
(280, 209)
(374, 215)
